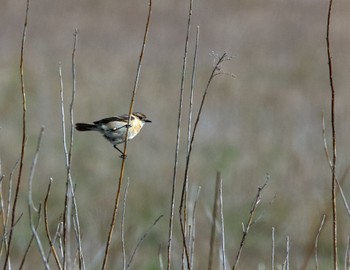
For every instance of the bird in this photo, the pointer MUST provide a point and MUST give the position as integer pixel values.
(114, 128)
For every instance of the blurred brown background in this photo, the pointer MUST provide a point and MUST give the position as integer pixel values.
(266, 120)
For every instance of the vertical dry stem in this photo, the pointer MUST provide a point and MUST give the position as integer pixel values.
(223, 253)
(347, 255)
(70, 197)
(334, 152)
(213, 225)
(24, 110)
(52, 247)
(273, 249)
(178, 134)
(121, 175)
(182, 226)
(286, 263)
(122, 234)
(6, 217)
(193, 231)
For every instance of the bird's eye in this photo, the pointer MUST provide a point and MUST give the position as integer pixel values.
(132, 118)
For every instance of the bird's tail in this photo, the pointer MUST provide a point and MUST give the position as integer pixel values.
(85, 127)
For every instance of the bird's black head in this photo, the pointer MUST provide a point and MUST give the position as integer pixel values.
(142, 117)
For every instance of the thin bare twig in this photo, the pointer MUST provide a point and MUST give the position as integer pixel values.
(141, 240)
(3, 214)
(215, 69)
(2, 208)
(58, 238)
(285, 265)
(31, 239)
(6, 217)
(122, 224)
(52, 247)
(64, 137)
(177, 145)
(70, 193)
(223, 253)
(316, 240)
(190, 112)
(31, 204)
(161, 264)
(189, 126)
(24, 136)
(340, 182)
(250, 221)
(9, 193)
(213, 225)
(325, 147)
(76, 221)
(193, 231)
(122, 167)
(334, 152)
(16, 221)
(273, 249)
(347, 255)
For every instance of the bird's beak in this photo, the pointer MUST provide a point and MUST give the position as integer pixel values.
(148, 121)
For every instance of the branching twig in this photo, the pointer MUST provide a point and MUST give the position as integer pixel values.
(24, 136)
(250, 221)
(216, 68)
(52, 247)
(141, 240)
(16, 221)
(325, 147)
(31, 239)
(58, 235)
(31, 204)
(6, 217)
(121, 175)
(328, 207)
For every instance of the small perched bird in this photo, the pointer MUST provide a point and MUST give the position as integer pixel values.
(114, 128)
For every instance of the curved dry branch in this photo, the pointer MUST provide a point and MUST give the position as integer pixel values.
(214, 72)
(24, 136)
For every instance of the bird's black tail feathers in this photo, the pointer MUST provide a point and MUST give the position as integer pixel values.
(84, 127)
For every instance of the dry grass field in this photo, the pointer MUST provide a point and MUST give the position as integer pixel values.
(265, 120)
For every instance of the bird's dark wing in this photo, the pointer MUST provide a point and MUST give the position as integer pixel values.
(104, 121)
